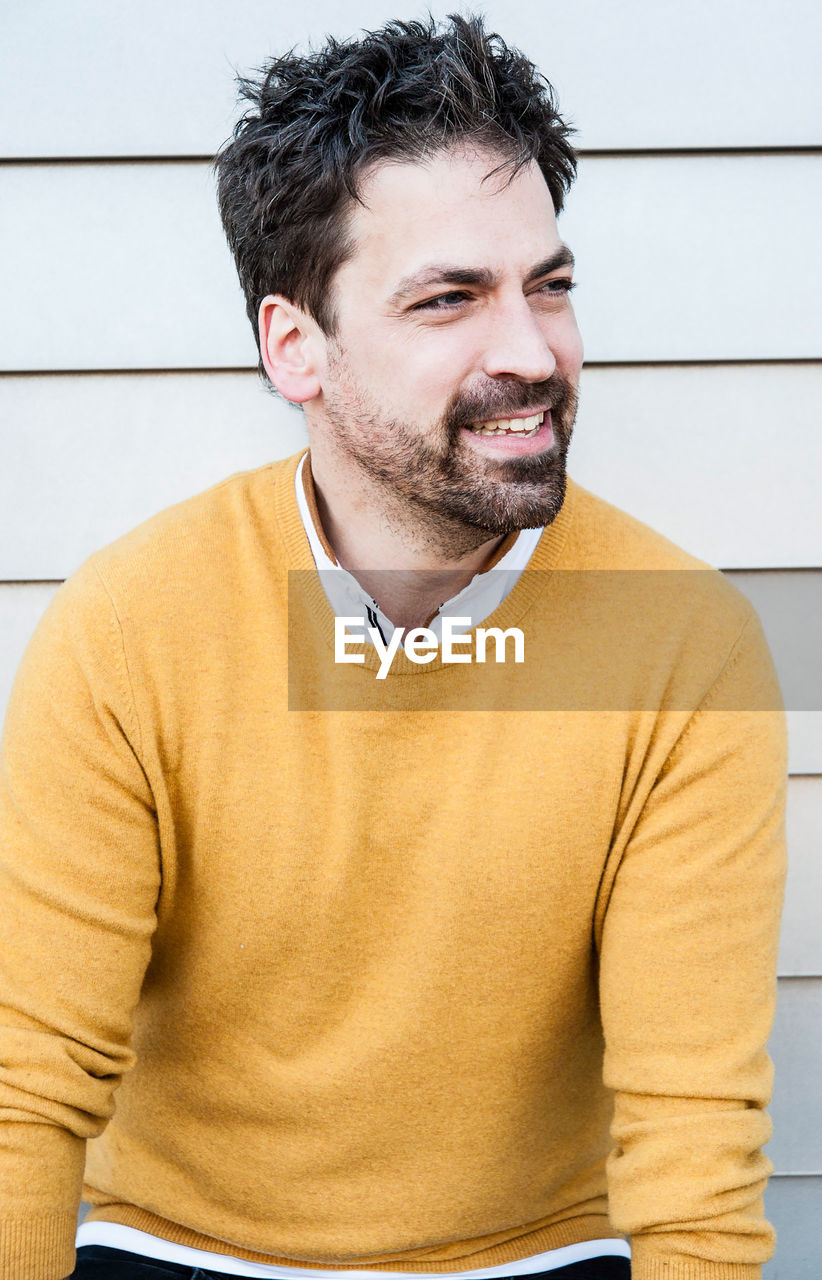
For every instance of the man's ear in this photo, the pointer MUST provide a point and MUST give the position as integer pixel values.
(288, 348)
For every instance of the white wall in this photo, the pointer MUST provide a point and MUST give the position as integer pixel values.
(128, 361)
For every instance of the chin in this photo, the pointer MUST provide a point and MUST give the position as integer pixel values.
(500, 511)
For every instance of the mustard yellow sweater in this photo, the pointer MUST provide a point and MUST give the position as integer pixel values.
(425, 984)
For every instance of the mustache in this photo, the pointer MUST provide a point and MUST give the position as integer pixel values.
(554, 392)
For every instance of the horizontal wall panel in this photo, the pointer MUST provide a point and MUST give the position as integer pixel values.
(676, 262)
(21, 607)
(100, 453)
(789, 605)
(117, 266)
(629, 75)
(97, 455)
(796, 1049)
(681, 258)
(723, 459)
(794, 1206)
(800, 950)
(804, 742)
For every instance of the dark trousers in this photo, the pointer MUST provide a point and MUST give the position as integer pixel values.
(98, 1262)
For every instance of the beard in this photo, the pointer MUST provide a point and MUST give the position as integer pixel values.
(451, 493)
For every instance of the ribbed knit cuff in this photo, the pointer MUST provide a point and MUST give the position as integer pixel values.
(656, 1268)
(37, 1248)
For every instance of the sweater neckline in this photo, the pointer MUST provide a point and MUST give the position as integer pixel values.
(510, 613)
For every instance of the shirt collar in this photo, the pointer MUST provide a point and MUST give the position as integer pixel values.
(475, 602)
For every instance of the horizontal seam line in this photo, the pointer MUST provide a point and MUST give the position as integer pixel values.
(661, 363)
(753, 149)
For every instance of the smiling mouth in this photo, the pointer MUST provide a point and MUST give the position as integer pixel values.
(522, 427)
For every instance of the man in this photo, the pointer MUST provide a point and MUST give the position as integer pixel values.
(461, 989)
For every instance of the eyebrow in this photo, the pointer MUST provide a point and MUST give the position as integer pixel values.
(446, 273)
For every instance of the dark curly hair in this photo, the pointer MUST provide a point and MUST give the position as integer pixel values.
(288, 177)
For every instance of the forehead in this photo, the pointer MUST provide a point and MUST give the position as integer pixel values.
(443, 210)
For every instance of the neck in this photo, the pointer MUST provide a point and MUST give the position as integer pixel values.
(409, 563)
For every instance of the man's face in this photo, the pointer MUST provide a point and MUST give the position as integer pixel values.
(454, 312)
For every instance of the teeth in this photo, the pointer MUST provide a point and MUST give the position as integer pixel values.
(510, 426)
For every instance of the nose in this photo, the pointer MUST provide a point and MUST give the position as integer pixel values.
(517, 344)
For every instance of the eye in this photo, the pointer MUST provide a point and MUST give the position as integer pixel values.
(558, 287)
(561, 285)
(433, 304)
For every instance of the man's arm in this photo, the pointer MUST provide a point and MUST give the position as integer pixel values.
(688, 985)
(79, 878)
